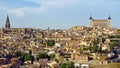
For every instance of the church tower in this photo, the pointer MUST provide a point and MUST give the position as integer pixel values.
(91, 21)
(7, 24)
(109, 21)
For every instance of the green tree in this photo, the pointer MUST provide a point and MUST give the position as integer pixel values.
(90, 48)
(50, 42)
(67, 65)
(26, 56)
(52, 56)
(112, 44)
(41, 55)
(23, 55)
(95, 48)
(70, 65)
(32, 59)
(111, 36)
(63, 65)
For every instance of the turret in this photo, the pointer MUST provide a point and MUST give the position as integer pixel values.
(109, 17)
(90, 17)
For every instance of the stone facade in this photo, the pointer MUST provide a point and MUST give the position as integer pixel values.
(100, 23)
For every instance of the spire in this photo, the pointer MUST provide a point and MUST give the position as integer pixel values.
(90, 17)
(7, 25)
(109, 17)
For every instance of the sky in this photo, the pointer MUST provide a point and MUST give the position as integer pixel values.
(57, 14)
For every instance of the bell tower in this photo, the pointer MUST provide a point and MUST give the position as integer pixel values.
(109, 21)
(91, 21)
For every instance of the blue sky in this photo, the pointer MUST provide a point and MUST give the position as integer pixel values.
(57, 14)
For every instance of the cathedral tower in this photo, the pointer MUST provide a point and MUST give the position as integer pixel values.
(7, 24)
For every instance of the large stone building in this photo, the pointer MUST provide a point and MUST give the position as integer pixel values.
(8, 30)
(100, 22)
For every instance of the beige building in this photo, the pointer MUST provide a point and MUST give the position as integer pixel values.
(78, 56)
(100, 22)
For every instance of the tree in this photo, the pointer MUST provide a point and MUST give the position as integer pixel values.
(112, 44)
(63, 65)
(52, 56)
(32, 59)
(90, 48)
(27, 57)
(50, 42)
(70, 65)
(95, 48)
(67, 65)
(41, 55)
(111, 36)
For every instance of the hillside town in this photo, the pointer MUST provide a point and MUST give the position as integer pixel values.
(95, 46)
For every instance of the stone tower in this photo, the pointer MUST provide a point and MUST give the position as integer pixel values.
(109, 21)
(91, 21)
(7, 24)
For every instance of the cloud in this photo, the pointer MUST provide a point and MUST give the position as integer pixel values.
(43, 5)
(25, 10)
(48, 4)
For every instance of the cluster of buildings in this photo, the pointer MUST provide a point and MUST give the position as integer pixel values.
(70, 45)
